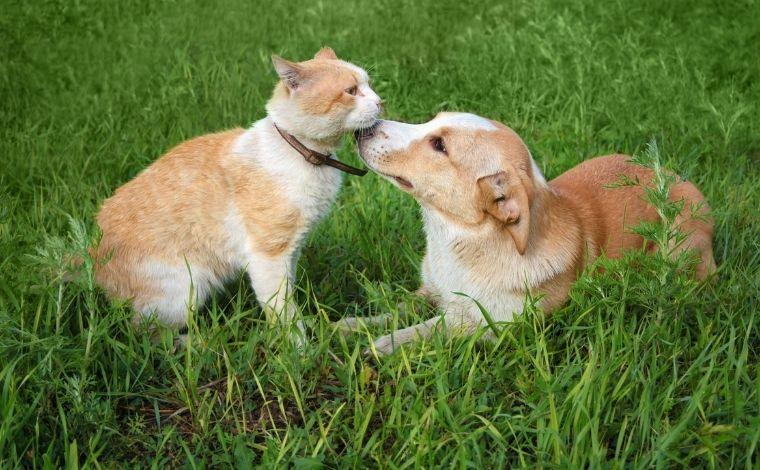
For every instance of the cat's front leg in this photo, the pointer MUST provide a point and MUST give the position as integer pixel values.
(272, 280)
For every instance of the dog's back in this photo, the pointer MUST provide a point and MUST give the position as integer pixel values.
(609, 210)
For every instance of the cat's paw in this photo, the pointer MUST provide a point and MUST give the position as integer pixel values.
(298, 336)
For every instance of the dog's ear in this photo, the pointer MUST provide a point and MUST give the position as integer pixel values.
(506, 199)
(291, 73)
(326, 53)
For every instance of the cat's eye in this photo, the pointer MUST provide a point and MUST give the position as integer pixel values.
(438, 145)
(352, 91)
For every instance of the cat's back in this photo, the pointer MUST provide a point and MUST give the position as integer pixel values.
(201, 150)
(185, 166)
(189, 162)
(184, 185)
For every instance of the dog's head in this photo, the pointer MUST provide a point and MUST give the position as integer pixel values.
(469, 169)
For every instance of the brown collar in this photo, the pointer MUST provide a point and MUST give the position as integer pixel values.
(316, 158)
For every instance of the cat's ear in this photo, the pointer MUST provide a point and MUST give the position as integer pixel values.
(290, 73)
(326, 53)
(506, 199)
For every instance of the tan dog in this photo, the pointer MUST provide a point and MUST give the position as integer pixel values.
(497, 230)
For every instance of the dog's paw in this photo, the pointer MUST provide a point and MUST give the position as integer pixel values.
(348, 325)
(383, 346)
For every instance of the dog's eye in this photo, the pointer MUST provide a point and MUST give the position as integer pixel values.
(351, 91)
(437, 144)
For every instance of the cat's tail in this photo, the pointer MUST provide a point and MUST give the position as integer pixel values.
(72, 268)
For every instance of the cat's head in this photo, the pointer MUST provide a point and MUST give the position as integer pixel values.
(322, 98)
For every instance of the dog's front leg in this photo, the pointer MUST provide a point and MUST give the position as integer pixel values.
(429, 294)
(450, 324)
(353, 324)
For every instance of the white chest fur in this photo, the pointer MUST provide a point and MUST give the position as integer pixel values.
(482, 264)
(312, 189)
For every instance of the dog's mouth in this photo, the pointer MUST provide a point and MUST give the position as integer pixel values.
(403, 182)
(366, 132)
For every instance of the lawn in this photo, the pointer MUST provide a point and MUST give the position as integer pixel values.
(643, 367)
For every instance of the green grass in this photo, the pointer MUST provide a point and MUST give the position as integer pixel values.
(642, 368)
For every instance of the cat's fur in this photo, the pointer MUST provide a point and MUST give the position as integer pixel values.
(235, 200)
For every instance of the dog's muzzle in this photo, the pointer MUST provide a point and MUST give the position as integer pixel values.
(367, 132)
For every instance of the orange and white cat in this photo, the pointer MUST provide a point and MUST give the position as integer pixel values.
(243, 199)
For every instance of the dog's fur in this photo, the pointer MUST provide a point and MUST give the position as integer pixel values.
(241, 199)
(496, 230)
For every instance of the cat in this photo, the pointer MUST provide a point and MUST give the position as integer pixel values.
(236, 200)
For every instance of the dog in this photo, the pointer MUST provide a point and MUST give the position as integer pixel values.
(497, 230)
